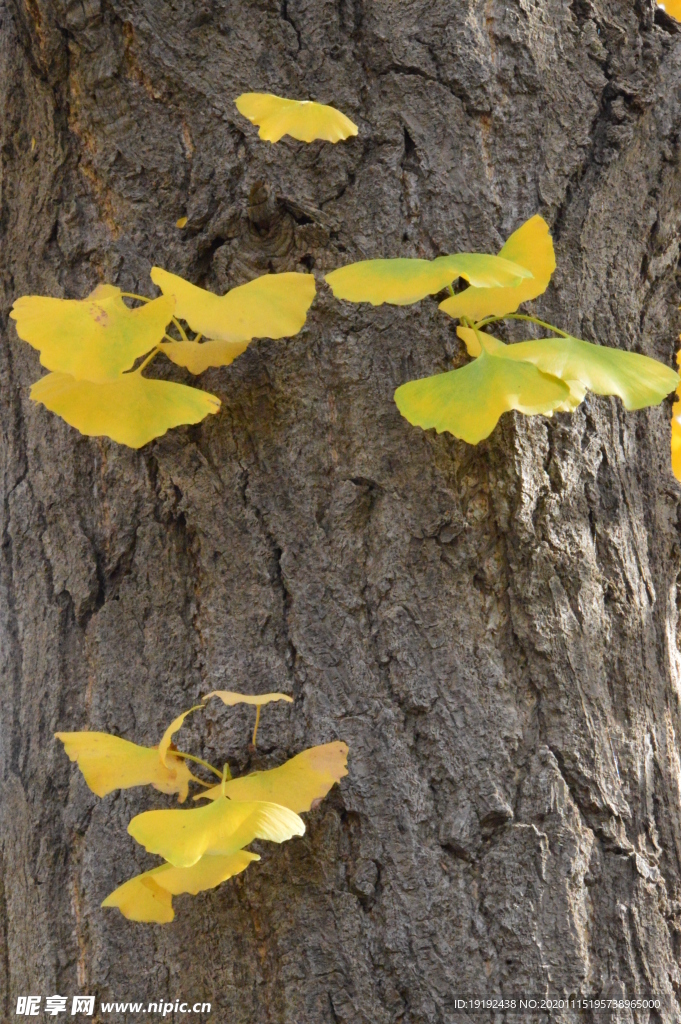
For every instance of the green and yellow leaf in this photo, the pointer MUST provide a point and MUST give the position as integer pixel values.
(93, 339)
(109, 763)
(199, 356)
(304, 120)
(220, 828)
(531, 247)
(403, 281)
(298, 784)
(271, 306)
(231, 698)
(131, 410)
(468, 402)
(148, 897)
(638, 380)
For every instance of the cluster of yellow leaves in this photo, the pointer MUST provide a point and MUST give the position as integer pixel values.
(204, 846)
(539, 376)
(91, 346)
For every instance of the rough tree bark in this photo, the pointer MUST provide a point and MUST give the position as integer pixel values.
(493, 630)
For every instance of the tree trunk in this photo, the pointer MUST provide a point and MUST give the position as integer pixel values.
(492, 629)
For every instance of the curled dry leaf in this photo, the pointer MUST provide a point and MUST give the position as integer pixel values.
(301, 119)
(148, 897)
(109, 763)
(131, 410)
(531, 247)
(93, 339)
(403, 281)
(297, 784)
(221, 827)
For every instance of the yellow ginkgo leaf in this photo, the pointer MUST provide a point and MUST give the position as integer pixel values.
(167, 738)
(181, 222)
(638, 380)
(148, 897)
(297, 784)
(672, 8)
(676, 446)
(230, 698)
(142, 899)
(109, 763)
(301, 119)
(131, 410)
(221, 827)
(93, 339)
(197, 357)
(530, 246)
(676, 428)
(468, 402)
(271, 306)
(403, 281)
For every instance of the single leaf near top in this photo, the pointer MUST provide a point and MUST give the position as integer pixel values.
(131, 410)
(531, 247)
(93, 339)
(301, 119)
(297, 784)
(148, 897)
(109, 763)
(403, 281)
(638, 380)
(221, 827)
(230, 698)
(469, 401)
(271, 306)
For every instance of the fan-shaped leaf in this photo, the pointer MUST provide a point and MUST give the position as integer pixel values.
(403, 281)
(301, 119)
(638, 380)
(271, 306)
(131, 410)
(468, 402)
(142, 899)
(109, 763)
(531, 247)
(230, 698)
(148, 897)
(221, 827)
(197, 357)
(94, 339)
(296, 784)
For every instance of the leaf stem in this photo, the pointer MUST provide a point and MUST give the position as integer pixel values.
(180, 329)
(257, 723)
(152, 355)
(193, 757)
(131, 295)
(520, 316)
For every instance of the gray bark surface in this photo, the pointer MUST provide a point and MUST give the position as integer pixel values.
(493, 630)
